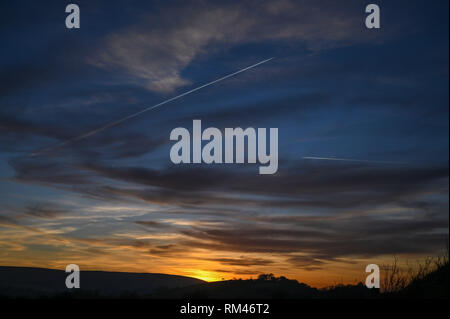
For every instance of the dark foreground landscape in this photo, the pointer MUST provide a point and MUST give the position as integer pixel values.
(22, 282)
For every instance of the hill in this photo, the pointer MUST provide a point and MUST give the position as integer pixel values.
(267, 287)
(36, 282)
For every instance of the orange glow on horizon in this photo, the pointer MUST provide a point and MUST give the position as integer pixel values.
(204, 275)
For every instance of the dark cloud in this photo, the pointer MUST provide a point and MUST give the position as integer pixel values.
(48, 172)
(242, 261)
(305, 261)
(13, 222)
(327, 242)
(300, 184)
(246, 115)
(43, 211)
(238, 271)
(354, 192)
(169, 250)
(150, 223)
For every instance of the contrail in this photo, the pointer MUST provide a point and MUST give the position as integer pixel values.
(104, 127)
(348, 160)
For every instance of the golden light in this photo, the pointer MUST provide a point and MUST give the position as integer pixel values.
(204, 275)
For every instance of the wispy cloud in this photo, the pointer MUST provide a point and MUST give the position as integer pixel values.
(158, 48)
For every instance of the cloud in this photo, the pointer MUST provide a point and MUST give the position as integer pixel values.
(169, 250)
(242, 261)
(249, 114)
(376, 210)
(158, 48)
(12, 222)
(322, 242)
(238, 271)
(299, 184)
(43, 211)
(150, 223)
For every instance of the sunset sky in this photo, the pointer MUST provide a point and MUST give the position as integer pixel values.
(362, 116)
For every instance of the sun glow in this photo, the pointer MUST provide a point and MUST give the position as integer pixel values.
(204, 275)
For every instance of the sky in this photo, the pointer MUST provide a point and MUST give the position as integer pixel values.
(362, 117)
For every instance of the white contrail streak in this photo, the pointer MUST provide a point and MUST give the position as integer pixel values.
(348, 160)
(111, 124)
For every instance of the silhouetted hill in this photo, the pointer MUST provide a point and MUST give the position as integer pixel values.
(268, 288)
(280, 288)
(35, 282)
